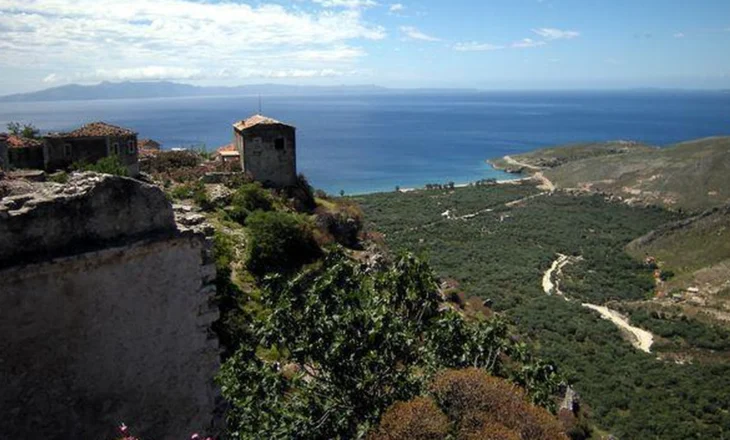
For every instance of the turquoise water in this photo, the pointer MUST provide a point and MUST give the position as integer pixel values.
(375, 142)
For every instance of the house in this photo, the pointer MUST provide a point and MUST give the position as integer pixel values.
(90, 143)
(4, 161)
(25, 152)
(227, 153)
(267, 149)
(149, 144)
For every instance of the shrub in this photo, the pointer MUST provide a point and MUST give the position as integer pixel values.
(59, 177)
(248, 198)
(165, 161)
(108, 165)
(418, 419)
(477, 402)
(279, 242)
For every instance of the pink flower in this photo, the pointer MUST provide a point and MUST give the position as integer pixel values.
(195, 436)
(124, 429)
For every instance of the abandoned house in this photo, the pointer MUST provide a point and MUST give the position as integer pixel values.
(268, 150)
(227, 153)
(4, 164)
(25, 152)
(90, 143)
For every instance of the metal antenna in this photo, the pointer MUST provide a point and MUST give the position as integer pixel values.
(260, 104)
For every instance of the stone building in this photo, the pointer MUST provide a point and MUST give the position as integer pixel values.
(90, 143)
(25, 153)
(4, 161)
(227, 153)
(268, 150)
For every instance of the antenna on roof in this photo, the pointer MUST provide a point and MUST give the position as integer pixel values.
(260, 104)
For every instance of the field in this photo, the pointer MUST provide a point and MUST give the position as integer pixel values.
(498, 251)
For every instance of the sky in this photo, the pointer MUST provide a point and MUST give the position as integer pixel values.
(486, 44)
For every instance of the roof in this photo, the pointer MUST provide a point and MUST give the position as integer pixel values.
(227, 150)
(257, 120)
(148, 144)
(96, 129)
(21, 142)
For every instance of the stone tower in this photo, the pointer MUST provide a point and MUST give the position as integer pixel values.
(268, 150)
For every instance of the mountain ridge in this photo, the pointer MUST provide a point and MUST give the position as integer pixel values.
(168, 89)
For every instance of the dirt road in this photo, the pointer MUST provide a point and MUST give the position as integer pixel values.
(639, 338)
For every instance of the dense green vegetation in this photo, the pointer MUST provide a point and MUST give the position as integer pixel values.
(107, 165)
(337, 344)
(681, 330)
(502, 254)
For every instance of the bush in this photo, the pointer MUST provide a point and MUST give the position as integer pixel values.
(165, 161)
(108, 165)
(247, 199)
(418, 419)
(279, 242)
(479, 404)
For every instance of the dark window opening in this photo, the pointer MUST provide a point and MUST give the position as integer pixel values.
(67, 150)
(279, 144)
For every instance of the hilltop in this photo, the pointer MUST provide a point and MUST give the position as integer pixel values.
(692, 176)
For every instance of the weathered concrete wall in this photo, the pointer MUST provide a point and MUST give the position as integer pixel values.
(119, 333)
(262, 158)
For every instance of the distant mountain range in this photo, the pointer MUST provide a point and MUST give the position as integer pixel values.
(165, 89)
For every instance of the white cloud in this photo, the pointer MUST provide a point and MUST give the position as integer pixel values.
(414, 34)
(396, 7)
(51, 78)
(352, 4)
(679, 35)
(527, 42)
(180, 39)
(474, 46)
(556, 34)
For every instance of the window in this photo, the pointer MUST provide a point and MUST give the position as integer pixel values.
(279, 144)
(115, 148)
(130, 147)
(67, 150)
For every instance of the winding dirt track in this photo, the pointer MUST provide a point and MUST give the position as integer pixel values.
(639, 338)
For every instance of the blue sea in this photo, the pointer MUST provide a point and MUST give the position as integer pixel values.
(372, 143)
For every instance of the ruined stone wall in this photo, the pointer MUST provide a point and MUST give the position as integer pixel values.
(116, 333)
(262, 158)
(4, 160)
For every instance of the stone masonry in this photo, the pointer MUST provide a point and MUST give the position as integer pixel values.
(105, 314)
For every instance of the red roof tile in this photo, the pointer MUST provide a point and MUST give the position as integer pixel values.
(148, 144)
(257, 120)
(96, 129)
(21, 142)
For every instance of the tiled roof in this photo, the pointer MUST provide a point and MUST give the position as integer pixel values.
(229, 147)
(96, 129)
(148, 144)
(257, 120)
(21, 142)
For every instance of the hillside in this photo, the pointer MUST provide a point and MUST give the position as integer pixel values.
(692, 175)
(697, 252)
(557, 156)
(497, 246)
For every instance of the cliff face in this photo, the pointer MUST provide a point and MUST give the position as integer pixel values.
(105, 313)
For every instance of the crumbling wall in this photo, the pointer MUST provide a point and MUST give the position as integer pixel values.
(120, 332)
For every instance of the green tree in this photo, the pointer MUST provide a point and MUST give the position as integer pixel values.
(28, 131)
(341, 342)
